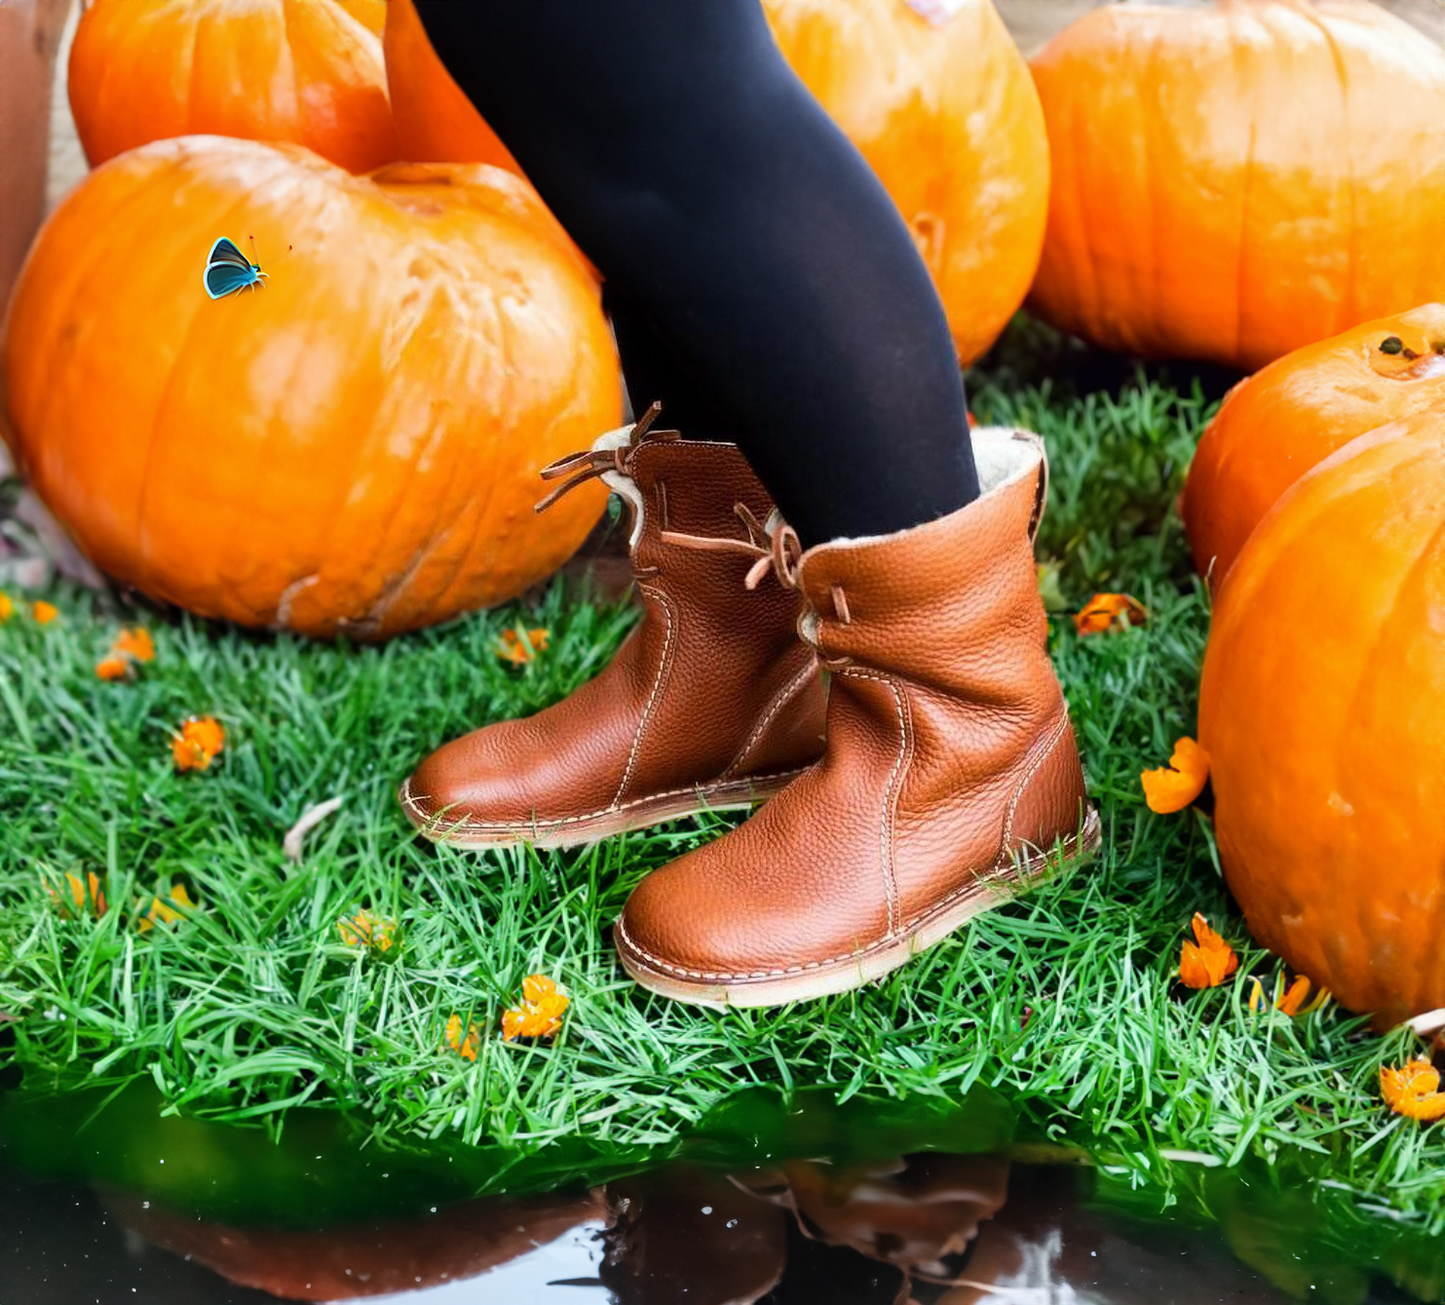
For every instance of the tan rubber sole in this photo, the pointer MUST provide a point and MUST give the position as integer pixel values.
(734, 795)
(825, 980)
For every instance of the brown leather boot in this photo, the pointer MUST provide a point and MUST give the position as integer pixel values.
(713, 702)
(950, 779)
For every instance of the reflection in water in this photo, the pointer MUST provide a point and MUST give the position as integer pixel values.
(930, 1228)
(938, 1204)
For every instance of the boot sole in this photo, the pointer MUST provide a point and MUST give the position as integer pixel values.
(824, 980)
(581, 831)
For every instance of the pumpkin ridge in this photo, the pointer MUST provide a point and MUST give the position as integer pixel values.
(192, 76)
(162, 400)
(1370, 666)
(478, 501)
(1155, 264)
(1345, 308)
(1249, 79)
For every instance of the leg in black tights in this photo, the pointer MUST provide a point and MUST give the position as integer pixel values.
(763, 271)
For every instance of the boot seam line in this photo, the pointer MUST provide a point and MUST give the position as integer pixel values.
(781, 699)
(893, 792)
(663, 666)
(1072, 847)
(465, 823)
(1043, 754)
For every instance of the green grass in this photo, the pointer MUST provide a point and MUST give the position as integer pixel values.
(1065, 1002)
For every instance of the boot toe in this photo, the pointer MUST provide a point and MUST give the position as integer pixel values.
(731, 915)
(462, 785)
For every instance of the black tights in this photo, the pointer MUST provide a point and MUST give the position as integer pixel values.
(762, 283)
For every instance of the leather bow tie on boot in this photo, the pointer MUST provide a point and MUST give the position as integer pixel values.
(950, 781)
(712, 702)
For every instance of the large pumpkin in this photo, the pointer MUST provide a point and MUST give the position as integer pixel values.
(1235, 179)
(1323, 707)
(352, 447)
(1296, 412)
(944, 111)
(306, 71)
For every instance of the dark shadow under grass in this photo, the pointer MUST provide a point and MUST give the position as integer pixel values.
(1066, 1002)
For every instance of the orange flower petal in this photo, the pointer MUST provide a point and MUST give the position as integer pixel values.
(167, 910)
(1413, 1090)
(1294, 999)
(465, 1047)
(87, 894)
(1174, 787)
(7, 607)
(198, 743)
(540, 1014)
(1103, 611)
(136, 644)
(44, 612)
(512, 648)
(367, 930)
(1207, 962)
(112, 667)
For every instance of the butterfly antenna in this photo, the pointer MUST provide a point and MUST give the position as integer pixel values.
(255, 253)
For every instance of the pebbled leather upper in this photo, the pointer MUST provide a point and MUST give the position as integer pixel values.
(949, 750)
(712, 685)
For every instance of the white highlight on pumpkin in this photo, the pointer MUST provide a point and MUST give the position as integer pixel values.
(937, 12)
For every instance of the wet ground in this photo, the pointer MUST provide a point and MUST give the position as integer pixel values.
(872, 1203)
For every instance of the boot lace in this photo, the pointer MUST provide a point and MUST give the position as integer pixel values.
(578, 468)
(772, 544)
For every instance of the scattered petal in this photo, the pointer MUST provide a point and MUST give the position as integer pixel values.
(310, 818)
(44, 612)
(167, 910)
(1106, 611)
(373, 932)
(540, 1013)
(136, 644)
(7, 607)
(517, 651)
(130, 648)
(1413, 1090)
(87, 895)
(1209, 961)
(1293, 1000)
(113, 667)
(1173, 787)
(465, 1047)
(1290, 1001)
(200, 740)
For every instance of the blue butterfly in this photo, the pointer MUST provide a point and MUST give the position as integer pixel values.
(229, 270)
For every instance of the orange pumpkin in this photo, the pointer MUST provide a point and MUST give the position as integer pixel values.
(1296, 412)
(306, 71)
(434, 119)
(1323, 706)
(1233, 180)
(353, 447)
(945, 112)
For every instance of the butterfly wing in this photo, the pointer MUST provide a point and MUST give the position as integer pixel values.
(222, 279)
(225, 251)
(227, 270)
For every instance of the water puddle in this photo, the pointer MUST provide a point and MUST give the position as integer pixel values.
(110, 1201)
